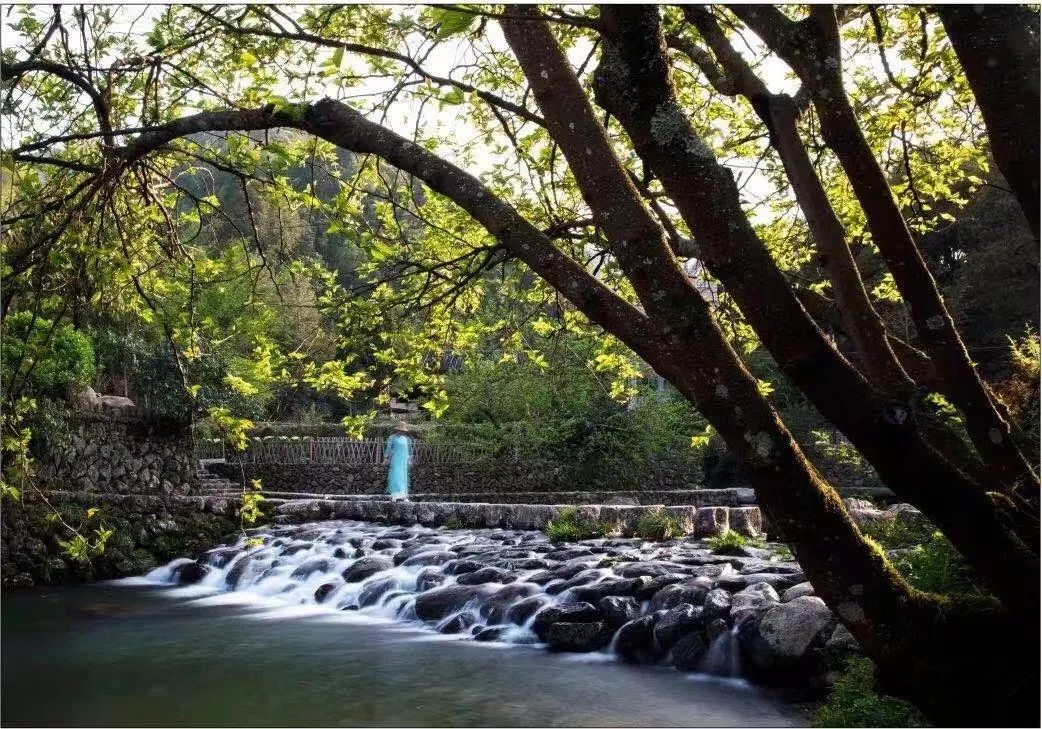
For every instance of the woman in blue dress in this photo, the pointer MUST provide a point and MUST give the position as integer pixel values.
(399, 453)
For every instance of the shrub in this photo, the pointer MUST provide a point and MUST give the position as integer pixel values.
(935, 566)
(657, 525)
(60, 357)
(454, 522)
(853, 702)
(896, 533)
(730, 542)
(568, 526)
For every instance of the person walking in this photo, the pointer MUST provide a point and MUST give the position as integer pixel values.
(398, 452)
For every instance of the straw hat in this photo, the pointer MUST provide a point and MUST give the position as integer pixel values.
(402, 427)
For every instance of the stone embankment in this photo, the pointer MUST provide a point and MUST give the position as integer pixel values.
(693, 521)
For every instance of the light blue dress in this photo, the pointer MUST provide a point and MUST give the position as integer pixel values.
(397, 451)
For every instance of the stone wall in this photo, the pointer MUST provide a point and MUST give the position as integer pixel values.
(98, 454)
(491, 476)
(693, 521)
(147, 531)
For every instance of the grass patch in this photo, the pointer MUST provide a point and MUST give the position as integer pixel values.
(926, 559)
(657, 525)
(568, 526)
(895, 533)
(934, 566)
(454, 522)
(854, 703)
(731, 542)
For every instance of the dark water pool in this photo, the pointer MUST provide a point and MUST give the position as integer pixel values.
(113, 655)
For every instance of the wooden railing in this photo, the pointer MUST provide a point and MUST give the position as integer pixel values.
(330, 450)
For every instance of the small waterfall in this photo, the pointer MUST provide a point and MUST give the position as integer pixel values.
(461, 583)
(724, 656)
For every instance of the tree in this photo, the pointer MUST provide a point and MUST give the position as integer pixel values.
(634, 220)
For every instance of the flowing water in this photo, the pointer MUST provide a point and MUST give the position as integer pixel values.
(265, 652)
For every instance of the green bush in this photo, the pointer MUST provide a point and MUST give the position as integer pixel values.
(935, 566)
(657, 525)
(730, 542)
(854, 703)
(54, 360)
(896, 533)
(568, 526)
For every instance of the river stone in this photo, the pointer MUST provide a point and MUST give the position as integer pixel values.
(804, 589)
(462, 566)
(308, 568)
(484, 575)
(715, 628)
(189, 573)
(619, 610)
(676, 623)
(787, 631)
(220, 557)
(692, 591)
(367, 567)
(842, 640)
(578, 637)
(650, 569)
(689, 651)
(374, 590)
(234, 575)
(490, 633)
(457, 623)
(717, 605)
(429, 578)
(429, 558)
(651, 585)
(521, 611)
(775, 580)
(592, 593)
(323, 591)
(386, 544)
(443, 601)
(576, 612)
(497, 607)
(635, 642)
(577, 581)
(410, 551)
(752, 602)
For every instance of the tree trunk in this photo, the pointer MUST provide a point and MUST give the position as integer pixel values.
(812, 49)
(998, 47)
(780, 114)
(633, 84)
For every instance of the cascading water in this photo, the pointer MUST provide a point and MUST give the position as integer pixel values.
(724, 656)
(491, 585)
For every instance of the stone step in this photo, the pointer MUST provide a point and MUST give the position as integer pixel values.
(693, 521)
(700, 498)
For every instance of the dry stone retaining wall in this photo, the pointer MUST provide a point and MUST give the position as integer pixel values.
(99, 454)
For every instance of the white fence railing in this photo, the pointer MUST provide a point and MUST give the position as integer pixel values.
(330, 450)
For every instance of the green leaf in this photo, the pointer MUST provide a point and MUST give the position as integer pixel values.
(453, 97)
(451, 22)
(338, 57)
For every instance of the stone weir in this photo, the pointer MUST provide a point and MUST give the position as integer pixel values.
(695, 521)
(676, 603)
